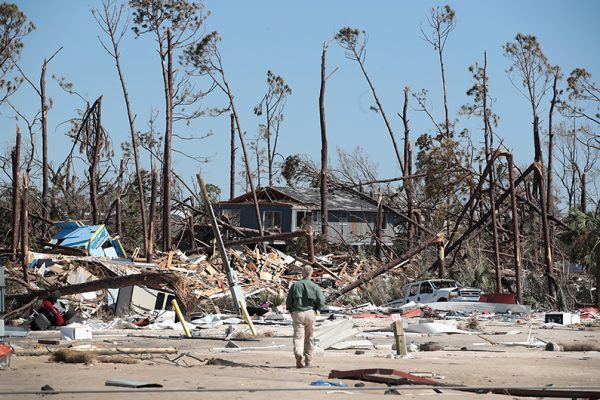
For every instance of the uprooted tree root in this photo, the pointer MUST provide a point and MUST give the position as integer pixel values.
(80, 357)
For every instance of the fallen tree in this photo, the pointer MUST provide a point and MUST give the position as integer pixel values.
(146, 279)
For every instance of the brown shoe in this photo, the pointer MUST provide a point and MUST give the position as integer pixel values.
(299, 362)
(307, 362)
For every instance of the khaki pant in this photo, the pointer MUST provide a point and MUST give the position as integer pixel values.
(304, 343)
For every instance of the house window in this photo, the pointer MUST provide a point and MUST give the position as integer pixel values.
(317, 217)
(303, 218)
(233, 217)
(272, 221)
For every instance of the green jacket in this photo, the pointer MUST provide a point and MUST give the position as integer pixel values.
(305, 295)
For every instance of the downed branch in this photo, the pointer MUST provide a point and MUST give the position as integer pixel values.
(100, 351)
(152, 278)
(392, 264)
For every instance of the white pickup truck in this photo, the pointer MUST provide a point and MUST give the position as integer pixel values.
(433, 290)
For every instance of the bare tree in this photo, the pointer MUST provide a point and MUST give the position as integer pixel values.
(272, 105)
(481, 107)
(408, 164)
(205, 57)
(323, 125)
(25, 227)
(232, 158)
(95, 135)
(175, 24)
(45, 104)
(152, 216)
(109, 19)
(556, 75)
(16, 199)
(355, 42)
(531, 69)
(529, 74)
(442, 21)
(581, 87)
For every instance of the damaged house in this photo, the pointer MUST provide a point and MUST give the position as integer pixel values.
(352, 219)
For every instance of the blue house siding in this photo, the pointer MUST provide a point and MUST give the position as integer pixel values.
(351, 220)
(248, 214)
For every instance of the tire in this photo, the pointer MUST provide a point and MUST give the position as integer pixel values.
(54, 296)
(442, 299)
(40, 323)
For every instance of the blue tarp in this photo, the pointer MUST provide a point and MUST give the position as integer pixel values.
(95, 239)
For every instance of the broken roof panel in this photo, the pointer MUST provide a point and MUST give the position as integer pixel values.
(91, 238)
(307, 197)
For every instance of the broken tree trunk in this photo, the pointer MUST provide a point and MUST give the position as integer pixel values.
(583, 199)
(408, 185)
(116, 54)
(324, 209)
(232, 159)
(146, 279)
(553, 102)
(167, 152)
(44, 123)
(495, 238)
(118, 208)
(539, 170)
(516, 232)
(441, 251)
(25, 227)
(386, 267)
(150, 250)
(16, 185)
(379, 227)
(96, 111)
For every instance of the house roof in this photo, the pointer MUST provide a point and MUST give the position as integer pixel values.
(307, 197)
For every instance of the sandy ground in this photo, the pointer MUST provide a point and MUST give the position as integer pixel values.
(483, 364)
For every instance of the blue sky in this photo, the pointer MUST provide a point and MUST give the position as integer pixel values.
(286, 37)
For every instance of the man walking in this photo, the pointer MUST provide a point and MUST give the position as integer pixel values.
(303, 300)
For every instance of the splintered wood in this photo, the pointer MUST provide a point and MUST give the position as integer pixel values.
(195, 278)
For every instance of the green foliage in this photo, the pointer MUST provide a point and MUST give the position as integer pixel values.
(353, 41)
(159, 15)
(476, 92)
(214, 193)
(299, 246)
(582, 237)
(448, 174)
(298, 170)
(442, 21)
(202, 55)
(529, 65)
(13, 27)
